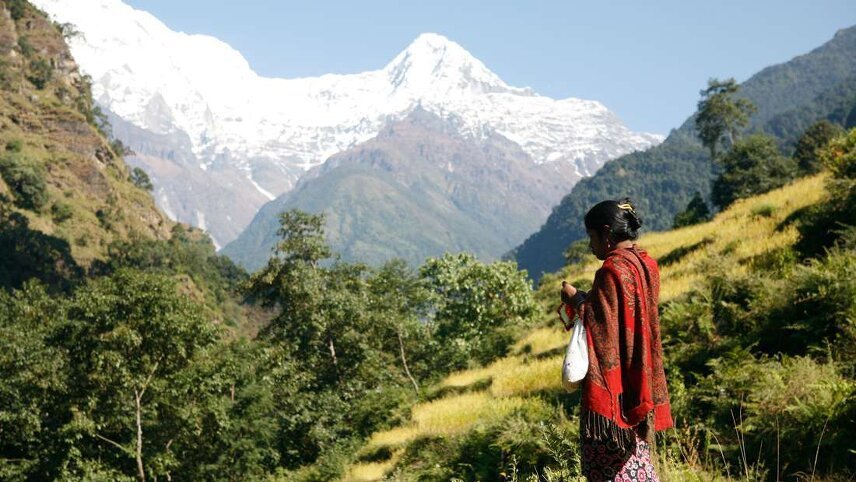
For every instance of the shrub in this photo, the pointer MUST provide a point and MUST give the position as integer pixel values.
(17, 8)
(40, 73)
(478, 305)
(577, 252)
(796, 400)
(25, 180)
(822, 226)
(807, 151)
(61, 212)
(753, 166)
(24, 46)
(695, 213)
(27, 253)
(14, 145)
(141, 179)
(763, 210)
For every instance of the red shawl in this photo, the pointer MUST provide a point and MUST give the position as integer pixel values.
(625, 381)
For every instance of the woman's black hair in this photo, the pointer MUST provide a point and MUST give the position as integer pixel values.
(623, 221)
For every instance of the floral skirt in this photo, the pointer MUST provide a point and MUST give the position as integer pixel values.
(606, 461)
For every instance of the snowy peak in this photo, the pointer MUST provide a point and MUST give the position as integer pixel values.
(432, 62)
(247, 138)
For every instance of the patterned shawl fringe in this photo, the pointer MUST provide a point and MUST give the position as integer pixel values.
(597, 427)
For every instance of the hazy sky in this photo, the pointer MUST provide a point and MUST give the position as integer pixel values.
(645, 60)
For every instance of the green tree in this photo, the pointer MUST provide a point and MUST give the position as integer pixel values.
(131, 337)
(140, 178)
(294, 283)
(721, 115)
(477, 305)
(815, 138)
(33, 384)
(399, 305)
(833, 221)
(323, 328)
(753, 166)
(577, 252)
(695, 213)
(237, 422)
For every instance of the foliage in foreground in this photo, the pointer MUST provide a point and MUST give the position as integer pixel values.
(760, 363)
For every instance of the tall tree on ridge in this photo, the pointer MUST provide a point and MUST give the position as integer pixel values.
(721, 115)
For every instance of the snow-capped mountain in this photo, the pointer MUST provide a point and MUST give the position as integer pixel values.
(220, 140)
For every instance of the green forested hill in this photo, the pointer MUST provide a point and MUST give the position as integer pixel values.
(418, 189)
(661, 180)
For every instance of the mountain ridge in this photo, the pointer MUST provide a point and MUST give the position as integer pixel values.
(264, 133)
(662, 179)
(417, 189)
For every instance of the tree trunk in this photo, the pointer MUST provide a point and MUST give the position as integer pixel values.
(141, 473)
(138, 405)
(404, 362)
(333, 351)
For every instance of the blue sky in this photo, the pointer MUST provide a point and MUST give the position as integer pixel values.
(645, 60)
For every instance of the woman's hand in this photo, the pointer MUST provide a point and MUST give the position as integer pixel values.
(568, 292)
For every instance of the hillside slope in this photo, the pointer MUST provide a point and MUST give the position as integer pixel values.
(524, 387)
(661, 180)
(61, 182)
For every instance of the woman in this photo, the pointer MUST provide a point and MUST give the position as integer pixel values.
(624, 395)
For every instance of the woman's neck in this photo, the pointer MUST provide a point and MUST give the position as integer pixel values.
(623, 244)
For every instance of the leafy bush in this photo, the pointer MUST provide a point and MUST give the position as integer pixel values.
(14, 145)
(40, 73)
(25, 46)
(763, 210)
(752, 166)
(26, 180)
(755, 402)
(695, 213)
(17, 8)
(141, 179)
(807, 152)
(28, 254)
(61, 212)
(32, 379)
(823, 226)
(577, 252)
(477, 306)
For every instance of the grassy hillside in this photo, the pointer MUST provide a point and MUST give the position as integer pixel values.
(68, 204)
(58, 170)
(789, 97)
(502, 402)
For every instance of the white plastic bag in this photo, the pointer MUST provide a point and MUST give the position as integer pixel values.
(575, 366)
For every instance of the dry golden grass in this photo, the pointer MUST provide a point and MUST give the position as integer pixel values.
(470, 377)
(525, 378)
(542, 340)
(449, 416)
(394, 437)
(746, 229)
(371, 471)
